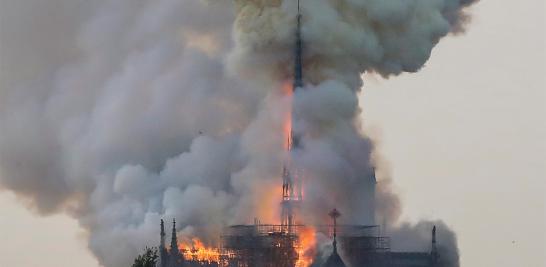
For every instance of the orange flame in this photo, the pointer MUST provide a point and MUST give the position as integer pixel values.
(268, 208)
(197, 251)
(287, 127)
(306, 247)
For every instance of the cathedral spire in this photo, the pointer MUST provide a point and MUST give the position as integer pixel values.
(298, 65)
(163, 255)
(162, 234)
(291, 195)
(174, 240)
(334, 214)
(434, 250)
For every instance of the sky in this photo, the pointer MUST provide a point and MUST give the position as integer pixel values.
(465, 139)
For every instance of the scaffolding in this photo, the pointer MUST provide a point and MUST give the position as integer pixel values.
(270, 245)
(259, 245)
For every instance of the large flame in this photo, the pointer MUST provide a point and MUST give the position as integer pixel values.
(306, 248)
(197, 251)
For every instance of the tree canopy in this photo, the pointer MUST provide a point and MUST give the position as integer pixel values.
(147, 259)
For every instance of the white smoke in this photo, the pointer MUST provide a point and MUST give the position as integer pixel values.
(122, 112)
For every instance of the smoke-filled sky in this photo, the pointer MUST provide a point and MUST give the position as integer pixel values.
(462, 139)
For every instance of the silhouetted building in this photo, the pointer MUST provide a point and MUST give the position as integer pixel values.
(171, 257)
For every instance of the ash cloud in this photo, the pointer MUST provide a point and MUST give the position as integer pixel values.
(122, 112)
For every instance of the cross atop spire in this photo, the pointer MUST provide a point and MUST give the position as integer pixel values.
(334, 260)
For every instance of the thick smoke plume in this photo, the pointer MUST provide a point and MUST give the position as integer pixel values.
(122, 112)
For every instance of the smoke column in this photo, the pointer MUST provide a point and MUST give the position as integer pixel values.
(122, 112)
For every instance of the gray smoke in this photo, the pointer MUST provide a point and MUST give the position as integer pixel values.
(122, 112)
(409, 237)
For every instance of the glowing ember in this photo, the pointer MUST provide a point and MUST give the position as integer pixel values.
(197, 251)
(306, 247)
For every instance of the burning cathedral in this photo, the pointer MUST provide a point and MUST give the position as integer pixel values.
(287, 244)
